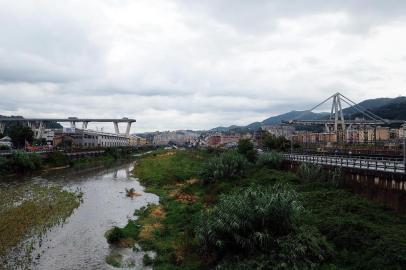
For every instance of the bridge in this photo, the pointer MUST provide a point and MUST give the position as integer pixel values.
(336, 120)
(339, 122)
(394, 165)
(38, 124)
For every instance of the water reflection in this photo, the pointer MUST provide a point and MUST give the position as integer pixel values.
(80, 243)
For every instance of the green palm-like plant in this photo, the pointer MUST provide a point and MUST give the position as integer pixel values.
(261, 220)
(228, 165)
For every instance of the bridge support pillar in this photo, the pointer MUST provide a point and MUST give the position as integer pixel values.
(116, 127)
(2, 127)
(40, 130)
(84, 125)
(73, 124)
(127, 132)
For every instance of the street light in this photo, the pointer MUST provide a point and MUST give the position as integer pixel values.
(404, 148)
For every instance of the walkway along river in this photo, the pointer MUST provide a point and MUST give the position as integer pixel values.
(79, 243)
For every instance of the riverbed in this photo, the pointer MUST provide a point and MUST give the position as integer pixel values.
(79, 242)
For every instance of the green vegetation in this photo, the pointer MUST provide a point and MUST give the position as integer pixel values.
(4, 147)
(262, 219)
(24, 162)
(272, 142)
(21, 162)
(226, 166)
(271, 160)
(57, 159)
(267, 221)
(20, 134)
(29, 209)
(246, 148)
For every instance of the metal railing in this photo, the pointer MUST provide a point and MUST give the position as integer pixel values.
(365, 163)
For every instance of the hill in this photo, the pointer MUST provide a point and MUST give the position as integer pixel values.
(395, 109)
(388, 108)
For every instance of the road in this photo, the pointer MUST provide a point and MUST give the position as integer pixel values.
(365, 163)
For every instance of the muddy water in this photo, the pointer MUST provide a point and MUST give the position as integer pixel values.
(79, 243)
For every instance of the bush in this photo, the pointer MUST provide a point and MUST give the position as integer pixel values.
(271, 160)
(246, 148)
(24, 162)
(114, 235)
(228, 165)
(310, 172)
(261, 220)
(314, 173)
(3, 164)
(57, 159)
(112, 152)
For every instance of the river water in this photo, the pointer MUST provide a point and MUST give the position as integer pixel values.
(79, 243)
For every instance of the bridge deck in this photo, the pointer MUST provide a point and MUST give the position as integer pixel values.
(73, 119)
(374, 164)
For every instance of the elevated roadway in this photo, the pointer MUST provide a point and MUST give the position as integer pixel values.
(359, 162)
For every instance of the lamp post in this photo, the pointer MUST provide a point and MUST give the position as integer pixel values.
(404, 148)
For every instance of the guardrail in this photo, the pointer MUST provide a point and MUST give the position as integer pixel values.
(375, 164)
(79, 153)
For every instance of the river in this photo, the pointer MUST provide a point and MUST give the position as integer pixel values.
(79, 243)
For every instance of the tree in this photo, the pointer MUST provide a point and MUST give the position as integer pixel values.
(272, 142)
(246, 148)
(19, 134)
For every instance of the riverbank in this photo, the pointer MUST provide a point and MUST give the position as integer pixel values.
(77, 240)
(348, 232)
(28, 210)
(25, 163)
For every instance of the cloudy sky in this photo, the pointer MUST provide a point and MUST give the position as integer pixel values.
(175, 64)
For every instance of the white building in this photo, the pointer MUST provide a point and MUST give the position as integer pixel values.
(92, 138)
(6, 141)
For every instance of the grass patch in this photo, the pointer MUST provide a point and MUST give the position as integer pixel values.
(29, 209)
(360, 233)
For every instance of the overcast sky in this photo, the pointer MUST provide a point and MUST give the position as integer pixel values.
(175, 64)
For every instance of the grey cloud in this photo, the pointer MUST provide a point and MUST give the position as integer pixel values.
(195, 64)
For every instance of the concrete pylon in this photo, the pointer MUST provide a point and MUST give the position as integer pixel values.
(127, 132)
(2, 127)
(40, 131)
(73, 124)
(84, 125)
(116, 127)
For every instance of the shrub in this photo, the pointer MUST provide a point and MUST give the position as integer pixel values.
(24, 162)
(228, 165)
(57, 159)
(261, 220)
(271, 160)
(310, 172)
(246, 148)
(3, 164)
(112, 152)
(114, 235)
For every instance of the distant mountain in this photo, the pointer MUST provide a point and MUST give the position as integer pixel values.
(274, 120)
(393, 109)
(388, 108)
(297, 115)
(369, 104)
